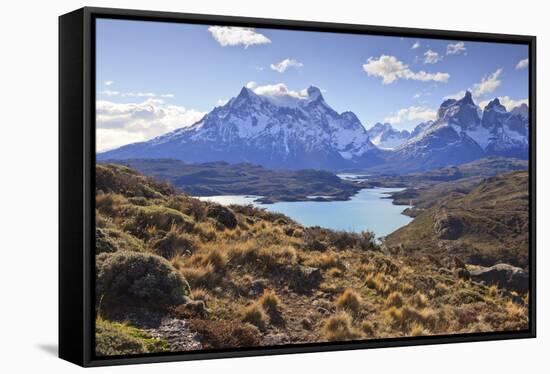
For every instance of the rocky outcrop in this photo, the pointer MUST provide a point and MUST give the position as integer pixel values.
(503, 276)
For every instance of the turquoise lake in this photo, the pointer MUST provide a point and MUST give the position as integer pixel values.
(370, 209)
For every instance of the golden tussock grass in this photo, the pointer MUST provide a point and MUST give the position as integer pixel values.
(394, 299)
(339, 328)
(350, 301)
(255, 315)
(368, 328)
(270, 302)
(419, 300)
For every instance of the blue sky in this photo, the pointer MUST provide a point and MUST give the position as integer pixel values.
(152, 75)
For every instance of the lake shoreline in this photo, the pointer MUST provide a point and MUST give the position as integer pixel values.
(370, 209)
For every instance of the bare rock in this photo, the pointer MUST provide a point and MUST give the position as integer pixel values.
(503, 276)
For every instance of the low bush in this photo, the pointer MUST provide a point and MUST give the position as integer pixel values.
(112, 240)
(139, 278)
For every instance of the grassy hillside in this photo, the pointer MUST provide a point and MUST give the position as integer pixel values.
(426, 189)
(222, 178)
(175, 273)
(485, 224)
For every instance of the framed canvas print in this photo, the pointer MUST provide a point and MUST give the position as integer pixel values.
(237, 186)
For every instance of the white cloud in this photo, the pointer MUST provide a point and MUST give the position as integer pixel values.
(508, 103)
(456, 96)
(285, 64)
(251, 85)
(522, 64)
(235, 36)
(456, 49)
(390, 69)
(108, 83)
(138, 94)
(488, 84)
(416, 45)
(412, 113)
(119, 124)
(278, 89)
(431, 57)
(221, 102)
(110, 92)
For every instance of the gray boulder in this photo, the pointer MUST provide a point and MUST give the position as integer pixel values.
(503, 276)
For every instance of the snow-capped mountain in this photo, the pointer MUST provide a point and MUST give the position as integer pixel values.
(384, 136)
(278, 131)
(460, 134)
(420, 127)
(297, 131)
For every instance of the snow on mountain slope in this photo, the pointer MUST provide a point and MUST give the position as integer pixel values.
(460, 134)
(300, 130)
(384, 136)
(280, 131)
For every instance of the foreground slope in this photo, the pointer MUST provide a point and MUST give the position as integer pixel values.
(175, 273)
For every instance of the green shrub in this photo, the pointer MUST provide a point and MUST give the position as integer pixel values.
(114, 338)
(140, 278)
(112, 240)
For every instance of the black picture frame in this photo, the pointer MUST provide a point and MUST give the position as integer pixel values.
(76, 183)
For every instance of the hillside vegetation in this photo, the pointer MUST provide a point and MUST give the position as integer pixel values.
(175, 273)
(487, 225)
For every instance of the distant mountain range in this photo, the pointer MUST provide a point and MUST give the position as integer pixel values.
(286, 132)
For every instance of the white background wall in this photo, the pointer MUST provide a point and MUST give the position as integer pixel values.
(28, 185)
